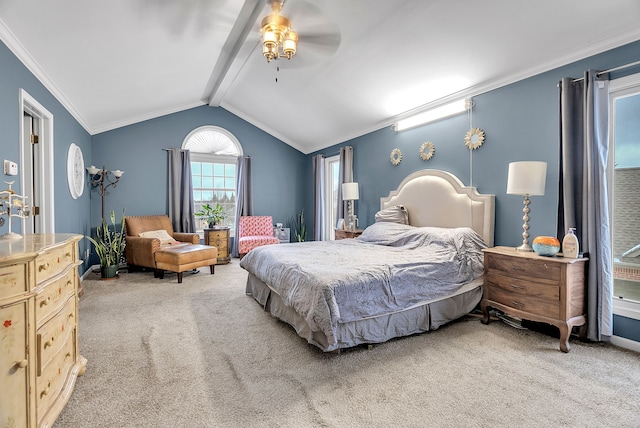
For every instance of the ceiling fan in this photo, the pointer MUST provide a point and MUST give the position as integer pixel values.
(298, 33)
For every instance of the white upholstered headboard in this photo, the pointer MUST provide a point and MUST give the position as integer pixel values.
(438, 198)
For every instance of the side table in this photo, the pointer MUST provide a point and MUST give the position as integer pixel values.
(536, 288)
(347, 234)
(219, 237)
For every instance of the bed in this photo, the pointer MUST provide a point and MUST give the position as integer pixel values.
(394, 280)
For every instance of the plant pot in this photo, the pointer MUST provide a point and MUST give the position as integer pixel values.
(109, 272)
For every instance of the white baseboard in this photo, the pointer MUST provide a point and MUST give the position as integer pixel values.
(626, 308)
(625, 343)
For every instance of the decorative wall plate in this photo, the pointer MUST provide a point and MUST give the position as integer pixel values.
(396, 156)
(474, 138)
(427, 150)
(75, 171)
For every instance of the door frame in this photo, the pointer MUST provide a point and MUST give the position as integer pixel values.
(45, 222)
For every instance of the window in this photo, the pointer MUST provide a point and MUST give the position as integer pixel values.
(625, 127)
(331, 176)
(214, 152)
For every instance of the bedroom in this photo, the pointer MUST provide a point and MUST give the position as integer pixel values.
(520, 120)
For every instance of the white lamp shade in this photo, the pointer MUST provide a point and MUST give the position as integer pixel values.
(527, 178)
(350, 191)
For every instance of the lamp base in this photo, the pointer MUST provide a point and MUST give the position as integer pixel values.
(524, 247)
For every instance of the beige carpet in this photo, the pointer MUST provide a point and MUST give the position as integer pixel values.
(203, 354)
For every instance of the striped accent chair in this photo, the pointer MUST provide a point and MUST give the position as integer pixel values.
(255, 231)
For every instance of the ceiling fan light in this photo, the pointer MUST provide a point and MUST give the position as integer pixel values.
(290, 44)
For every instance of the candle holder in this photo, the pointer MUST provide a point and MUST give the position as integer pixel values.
(13, 206)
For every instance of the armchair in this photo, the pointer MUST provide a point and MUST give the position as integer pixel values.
(255, 231)
(152, 243)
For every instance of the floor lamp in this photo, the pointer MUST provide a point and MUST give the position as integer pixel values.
(99, 177)
(526, 179)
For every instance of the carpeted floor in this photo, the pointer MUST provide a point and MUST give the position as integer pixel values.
(203, 354)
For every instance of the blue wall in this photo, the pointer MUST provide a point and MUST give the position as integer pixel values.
(138, 150)
(71, 215)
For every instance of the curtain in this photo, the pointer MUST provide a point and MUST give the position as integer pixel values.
(319, 195)
(244, 196)
(346, 176)
(181, 207)
(583, 196)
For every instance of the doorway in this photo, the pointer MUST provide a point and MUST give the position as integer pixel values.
(36, 165)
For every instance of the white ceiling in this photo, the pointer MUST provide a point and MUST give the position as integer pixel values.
(360, 65)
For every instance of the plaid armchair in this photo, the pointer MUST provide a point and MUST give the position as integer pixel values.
(255, 231)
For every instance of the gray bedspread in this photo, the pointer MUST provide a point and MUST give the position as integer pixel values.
(389, 268)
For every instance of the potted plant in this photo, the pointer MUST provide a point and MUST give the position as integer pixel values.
(298, 227)
(212, 215)
(109, 245)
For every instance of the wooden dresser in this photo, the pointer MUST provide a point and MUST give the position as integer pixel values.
(347, 234)
(531, 287)
(39, 358)
(219, 238)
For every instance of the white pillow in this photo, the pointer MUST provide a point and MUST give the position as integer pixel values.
(162, 235)
(395, 214)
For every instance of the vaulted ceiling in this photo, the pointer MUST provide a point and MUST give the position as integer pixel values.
(360, 65)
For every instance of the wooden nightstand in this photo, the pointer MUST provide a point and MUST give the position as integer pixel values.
(346, 234)
(219, 238)
(536, 288)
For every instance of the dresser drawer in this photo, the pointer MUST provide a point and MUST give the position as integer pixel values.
(56, 334)
(54, 261)
(13, 280)
(53, 294)
(525, 268)
(52, 380)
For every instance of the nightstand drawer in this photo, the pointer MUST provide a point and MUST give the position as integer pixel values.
(517, 286)
(538, 269)
(525, 303)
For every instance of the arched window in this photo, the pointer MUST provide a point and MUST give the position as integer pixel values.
(214, 152)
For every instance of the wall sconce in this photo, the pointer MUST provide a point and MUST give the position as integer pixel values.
(526, 179)
(350, 193)
(102, 178)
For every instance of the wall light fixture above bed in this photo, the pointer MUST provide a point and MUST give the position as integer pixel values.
(433, 114)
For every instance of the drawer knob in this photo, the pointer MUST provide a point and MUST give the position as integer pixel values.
(517, 286)
(45, 391)
(518, 304)
(42, 267)
(21, 364)
(49, 342)
(45, 302)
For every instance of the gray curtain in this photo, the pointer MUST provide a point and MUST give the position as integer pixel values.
(346, 176)
(583, 197)
(319, 195)
(181, 207)
(244, 197)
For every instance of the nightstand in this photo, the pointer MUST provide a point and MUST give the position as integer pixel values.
(347, 234)
(219, 238)
(536, 288)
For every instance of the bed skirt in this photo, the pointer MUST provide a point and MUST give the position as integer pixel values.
(419, 318)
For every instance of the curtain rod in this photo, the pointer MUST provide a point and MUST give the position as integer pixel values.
(600, 73)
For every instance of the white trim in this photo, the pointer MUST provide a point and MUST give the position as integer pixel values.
(623, 342)
(626, 308)
(27, 103)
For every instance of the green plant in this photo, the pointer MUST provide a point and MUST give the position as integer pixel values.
(109, 244)
(213, 215)
(298, 227)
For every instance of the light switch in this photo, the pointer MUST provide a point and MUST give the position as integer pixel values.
(10, 168)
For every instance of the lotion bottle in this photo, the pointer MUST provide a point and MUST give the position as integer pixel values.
(570, 246)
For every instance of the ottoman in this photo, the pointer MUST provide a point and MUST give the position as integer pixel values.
(181, 258)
